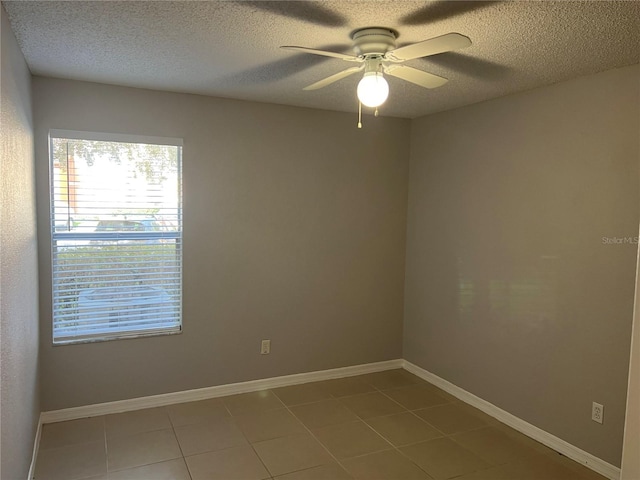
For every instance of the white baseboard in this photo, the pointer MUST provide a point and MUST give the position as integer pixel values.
(588, 460)
(36, 447)
(212, 392)
(557, 444)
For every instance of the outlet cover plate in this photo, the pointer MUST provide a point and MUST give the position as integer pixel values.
(597, 412)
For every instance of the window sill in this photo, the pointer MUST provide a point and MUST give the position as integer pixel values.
(110, 338)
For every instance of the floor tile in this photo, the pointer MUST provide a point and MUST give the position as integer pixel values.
(493, 445)
(538, 467)
(289, 454)
(197, 412)
(83, 430)
(442, 458)
(259, 426)
(403, 428)
(584, 472)
(476, 412)
(350, 439)
(252, 402)
(238, 463)
(300, 394)
(322, 414)
(387, 465)
(371, 405)
(169, 470)
(391, 379)
(72, 462)
(209, 436)
(491, 473)
(516, 471)
(522, 439)
(345, 387)
(141, 449)
(450, 418)
(332, 471)
(528, 471)
(138, 421)
(414, 397)
(446, 395)
(358, 419)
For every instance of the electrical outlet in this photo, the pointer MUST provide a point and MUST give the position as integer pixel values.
(265, 348)
(597, 412)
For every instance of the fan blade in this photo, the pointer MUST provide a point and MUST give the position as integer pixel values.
(324, 53)
(433, 46)
(413, 75)
(333, 78)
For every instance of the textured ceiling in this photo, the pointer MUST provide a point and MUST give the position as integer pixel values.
(230, 49)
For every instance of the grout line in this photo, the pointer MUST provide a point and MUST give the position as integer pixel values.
(232, 416)
(251, 444)
(406, 410)
(336, 459)
(363, 421)
(173, 428)
(317, 440)
(359, 419)
(397, 449)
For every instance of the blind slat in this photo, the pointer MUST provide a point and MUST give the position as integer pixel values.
(116, 229)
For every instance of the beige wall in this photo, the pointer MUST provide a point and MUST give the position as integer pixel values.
(631, 447)
(294, 230)
(18, 273)
(510, 292)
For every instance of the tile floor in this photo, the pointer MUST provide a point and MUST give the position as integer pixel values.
(388, 425)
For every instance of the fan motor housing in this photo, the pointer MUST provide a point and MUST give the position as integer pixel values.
(373, 41)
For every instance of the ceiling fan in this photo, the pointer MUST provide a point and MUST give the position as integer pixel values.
(376, 53)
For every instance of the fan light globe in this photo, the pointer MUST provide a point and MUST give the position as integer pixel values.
(373, 89)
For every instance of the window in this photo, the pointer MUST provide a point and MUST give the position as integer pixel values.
(116, 231)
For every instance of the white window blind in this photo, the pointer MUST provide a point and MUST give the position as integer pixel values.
(116, 230)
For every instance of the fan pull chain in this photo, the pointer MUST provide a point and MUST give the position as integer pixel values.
(380, 70)
(359, 114)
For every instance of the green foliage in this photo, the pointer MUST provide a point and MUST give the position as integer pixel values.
(149, 160)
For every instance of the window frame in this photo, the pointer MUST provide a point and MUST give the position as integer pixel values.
(171, 235)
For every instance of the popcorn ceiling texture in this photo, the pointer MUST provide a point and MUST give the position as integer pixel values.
(230, 49)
